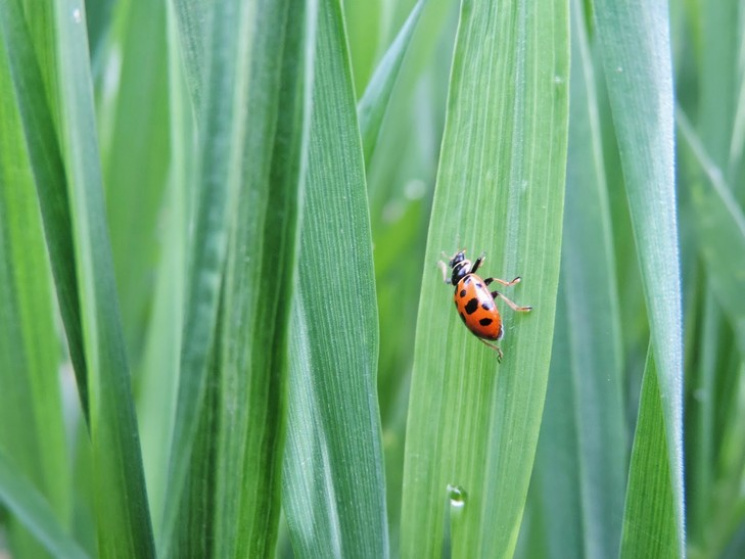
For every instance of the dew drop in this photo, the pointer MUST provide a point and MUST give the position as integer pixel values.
(77, 15)
(457, 496)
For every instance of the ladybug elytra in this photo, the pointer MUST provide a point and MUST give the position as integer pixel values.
(475, 303)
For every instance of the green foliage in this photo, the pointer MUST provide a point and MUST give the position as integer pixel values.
(227, 216)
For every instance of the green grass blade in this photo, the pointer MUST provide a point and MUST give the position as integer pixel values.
(160, 366)
(259, 280)
(135, 162)
(637, 60)
(371, 107)
(215, 183)
(650, 527)
(123, 520)
(23, 499)
(473, 424)
(720, 224)
(588, 268)
(49, 176)
(120, 498)
(333, 418)
(193, 18)
(31, 420)
(252, 142)
(556, 482)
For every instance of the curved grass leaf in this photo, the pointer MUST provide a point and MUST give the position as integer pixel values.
(473, 424)
(29, 506)
(650, 527)
(160, 366)
(637, 60)
(31, 420)
(720, 224)
(334, 490)
(371, 107)
(48, 172)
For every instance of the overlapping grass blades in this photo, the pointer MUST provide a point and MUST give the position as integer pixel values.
(70, 163)
(635, 49)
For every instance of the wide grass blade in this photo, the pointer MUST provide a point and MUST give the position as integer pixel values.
(230, 423)
(635, 42)
(473, 424)
(334, 489)
(120, 500)
(650, 526)
(259, 279)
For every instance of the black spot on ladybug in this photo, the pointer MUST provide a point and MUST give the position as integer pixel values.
(485, 321)
(463, 293)
(472, 305)
(479, 286)
(463, 317)
(487, 305)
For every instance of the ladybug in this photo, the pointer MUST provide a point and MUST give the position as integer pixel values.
(475, 303)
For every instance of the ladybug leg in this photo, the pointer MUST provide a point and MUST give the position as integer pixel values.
(513, 306)
(487, 281)
(479, 261)
(500, 355)
(444, 268)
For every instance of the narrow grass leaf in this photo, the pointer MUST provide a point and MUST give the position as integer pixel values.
(31, 421)
(224, 34)
(589, 273)
(635, 42)
(135, 163)
(336, 506)
(193, 21)
(473, 423)
(49, 177)
(721, 230)
(650, 527)
(371, 107)
(556, 482)
(120, 498)
(160, 366)
(123, 519)
(22, 498)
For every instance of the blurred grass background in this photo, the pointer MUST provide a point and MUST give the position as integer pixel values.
(240, 208)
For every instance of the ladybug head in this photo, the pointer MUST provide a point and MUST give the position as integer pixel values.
(460, 266)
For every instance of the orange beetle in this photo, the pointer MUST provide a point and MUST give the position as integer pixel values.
(475, 303)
